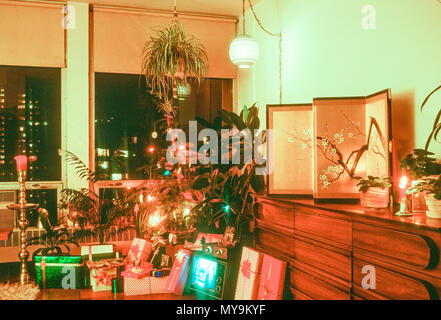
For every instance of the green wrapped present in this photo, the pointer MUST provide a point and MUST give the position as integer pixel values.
(59, 272)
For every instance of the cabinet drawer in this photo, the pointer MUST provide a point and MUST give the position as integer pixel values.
(324, 259)
(314, 287)
(297, 295)
(323, 226)
(393, 285)
(275, 213)
(274, 242)
(398, 247)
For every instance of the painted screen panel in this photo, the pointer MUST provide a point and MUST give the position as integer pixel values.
(340, 132)
(377, 121)
(292, 149)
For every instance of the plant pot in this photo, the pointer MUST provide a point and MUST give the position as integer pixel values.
(374, 197)
(434, 207)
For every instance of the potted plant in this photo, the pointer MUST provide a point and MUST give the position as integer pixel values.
(374, 192)
(432, 188)
(54, 239)
(421, 163)
(170, 57)
(50, 259)
(94, 215)
(228, 187)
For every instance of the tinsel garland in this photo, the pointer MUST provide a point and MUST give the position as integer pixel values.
(16, 291)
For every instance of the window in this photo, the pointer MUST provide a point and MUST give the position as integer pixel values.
(126, 116)
(30, 123)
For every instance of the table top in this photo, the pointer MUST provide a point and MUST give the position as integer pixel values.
(419, 219)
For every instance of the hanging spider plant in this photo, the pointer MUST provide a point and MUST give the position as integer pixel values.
(170, 57)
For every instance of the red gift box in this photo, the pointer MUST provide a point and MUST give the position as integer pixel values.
(272, 279)
(140, 251)
(249, 274)
(179, 273)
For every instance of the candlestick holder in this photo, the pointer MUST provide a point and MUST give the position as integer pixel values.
(23, 223)
(405, 207)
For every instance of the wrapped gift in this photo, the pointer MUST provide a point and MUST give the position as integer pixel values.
(272, 279)
(142, 284)
(140, 250)
(102, 272)
(179, 273)
(54, 272)
(249, 274)
(157, 256)
(98, 252)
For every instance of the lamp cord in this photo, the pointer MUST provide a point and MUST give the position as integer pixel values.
(279, 35)
(243, 17)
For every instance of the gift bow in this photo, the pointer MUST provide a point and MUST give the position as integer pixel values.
(103, 277)
(245, 269)
(136, 270)
(180, 256)
(158, 240)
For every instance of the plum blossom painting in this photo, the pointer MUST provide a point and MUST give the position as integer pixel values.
(351, 139)
(291, 150)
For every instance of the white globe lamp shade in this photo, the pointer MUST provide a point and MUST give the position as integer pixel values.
(244, 51)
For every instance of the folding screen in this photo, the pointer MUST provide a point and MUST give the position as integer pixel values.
(319, 149)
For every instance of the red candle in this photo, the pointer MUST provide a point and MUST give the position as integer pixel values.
(22, 163)
(404, 185)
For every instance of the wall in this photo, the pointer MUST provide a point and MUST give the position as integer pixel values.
(326, 52)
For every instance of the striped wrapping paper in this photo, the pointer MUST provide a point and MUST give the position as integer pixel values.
(249, 274)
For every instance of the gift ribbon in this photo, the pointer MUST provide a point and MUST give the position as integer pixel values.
(43, 272)
(134, 251)
(267, 290)
(245, 269)
(104, 278)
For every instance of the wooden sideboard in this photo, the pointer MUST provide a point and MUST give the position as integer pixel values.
(327, 246)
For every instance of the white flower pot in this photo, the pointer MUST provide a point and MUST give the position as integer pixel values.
(375, 197)
(434, 207)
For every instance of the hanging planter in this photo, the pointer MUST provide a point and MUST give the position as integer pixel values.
(170, 57)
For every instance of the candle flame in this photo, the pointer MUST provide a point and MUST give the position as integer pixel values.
(403, 182)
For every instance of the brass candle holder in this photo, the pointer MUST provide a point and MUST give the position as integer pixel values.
(23, 223)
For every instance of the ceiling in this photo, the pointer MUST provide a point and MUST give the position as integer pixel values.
(213, 7)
